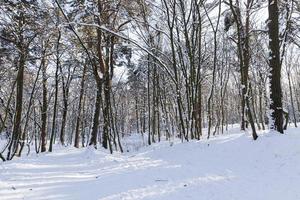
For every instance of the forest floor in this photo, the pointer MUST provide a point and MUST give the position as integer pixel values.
(226, 167)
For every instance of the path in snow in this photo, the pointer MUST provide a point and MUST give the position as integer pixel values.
(226, 167)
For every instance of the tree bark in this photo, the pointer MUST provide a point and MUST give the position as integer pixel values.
(275, 76)
(76, 143)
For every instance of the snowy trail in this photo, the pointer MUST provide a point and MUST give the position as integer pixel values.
(226, 167)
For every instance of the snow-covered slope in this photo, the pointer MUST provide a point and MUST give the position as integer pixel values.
(226, 167)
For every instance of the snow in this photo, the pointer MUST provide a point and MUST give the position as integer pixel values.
(230, 166)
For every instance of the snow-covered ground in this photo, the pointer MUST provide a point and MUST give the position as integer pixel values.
(227, 167)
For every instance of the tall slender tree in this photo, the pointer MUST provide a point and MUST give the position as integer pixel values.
(275, 67)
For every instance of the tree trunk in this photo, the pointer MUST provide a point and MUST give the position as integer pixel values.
(76, 143)
(275, 76)
(44, 111)
(16, 133)
(53, 131)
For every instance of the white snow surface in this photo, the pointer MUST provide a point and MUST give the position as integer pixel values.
(226, 167)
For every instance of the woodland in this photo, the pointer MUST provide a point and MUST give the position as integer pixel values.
(92, 72)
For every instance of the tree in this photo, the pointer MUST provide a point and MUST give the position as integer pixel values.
(275, 66)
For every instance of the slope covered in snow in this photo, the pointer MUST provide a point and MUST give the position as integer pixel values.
(227, 167)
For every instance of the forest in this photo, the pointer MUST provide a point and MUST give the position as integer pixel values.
(101, 81)
(84, 72)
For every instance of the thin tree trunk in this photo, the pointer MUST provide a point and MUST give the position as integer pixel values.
(44, 111)
(292, 99)
(78, 120)
(53, 131)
